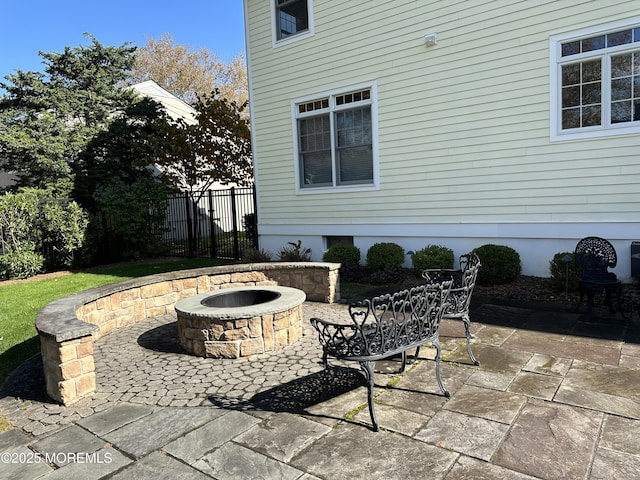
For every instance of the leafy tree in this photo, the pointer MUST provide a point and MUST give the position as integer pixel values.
(77, 130)
(215, 149)
(130, 220)
(47, 118)
(189, 73)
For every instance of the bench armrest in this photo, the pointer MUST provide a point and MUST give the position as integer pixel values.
(438, 275)
(337, 339)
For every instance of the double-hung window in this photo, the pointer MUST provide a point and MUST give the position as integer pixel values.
(335, 139)
(292, 20)
(596, 83)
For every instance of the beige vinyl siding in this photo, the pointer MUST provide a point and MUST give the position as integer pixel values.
(463, 126)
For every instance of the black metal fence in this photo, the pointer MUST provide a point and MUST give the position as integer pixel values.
(213, 223)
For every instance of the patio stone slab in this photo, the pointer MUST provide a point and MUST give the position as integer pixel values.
(22, 470)
(13, 438)
(548, 365)
(609, 464)
(621, 434)
(617, 381)
(505, 316)
(351, 451)
(473, 436)
(402, 396)
(581, 397)
(550, 441)
(467, 468)
(536, 342)
(394, 418)
(485, 403)
(494, 335)
(493, 359)
(210, 436)
(629, 361)
(496, 381)
(282, 436)
(72, 439)
(108, 420)
(158, 466)
(232, 461)
(605, 333)
(105, 461)
(632, 349)
(561, 322)
(423, 379)
(535, 385)
(158, 429)
(335, 410)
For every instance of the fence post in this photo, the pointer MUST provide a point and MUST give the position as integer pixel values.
(189, 226)
(234, 213)
(255, 218)
(213, 244)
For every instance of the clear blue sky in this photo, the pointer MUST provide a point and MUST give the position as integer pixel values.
(30, 26)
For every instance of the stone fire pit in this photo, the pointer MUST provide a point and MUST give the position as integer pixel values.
(242, 321)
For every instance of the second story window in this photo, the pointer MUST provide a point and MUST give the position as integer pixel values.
(292, 17)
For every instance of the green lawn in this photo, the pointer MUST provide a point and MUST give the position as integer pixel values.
(20, 302)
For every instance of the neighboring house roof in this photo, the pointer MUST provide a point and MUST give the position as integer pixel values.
(174, 107)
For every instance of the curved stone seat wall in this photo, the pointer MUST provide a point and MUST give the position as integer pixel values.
(68, 326)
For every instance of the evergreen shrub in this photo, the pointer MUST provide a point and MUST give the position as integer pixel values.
(558, 269)
(385, 256)
(500, 264)
(432, 256)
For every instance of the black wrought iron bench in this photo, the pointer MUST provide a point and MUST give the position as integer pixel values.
(385, 326)
(593, 257)
(464, 280)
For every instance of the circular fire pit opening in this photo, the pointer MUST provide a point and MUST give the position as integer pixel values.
(242, 321)
(240, 298)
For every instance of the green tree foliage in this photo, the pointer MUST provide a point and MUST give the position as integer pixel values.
(33, 222)
(215, 149)
(47, 119)
(129, 225)
(77, 130)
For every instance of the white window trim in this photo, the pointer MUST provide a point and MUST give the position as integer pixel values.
(375, 185)
(555, 62)
(291, 38)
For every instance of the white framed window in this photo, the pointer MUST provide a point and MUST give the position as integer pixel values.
(595, 81)
(335, 139)
(292, 20)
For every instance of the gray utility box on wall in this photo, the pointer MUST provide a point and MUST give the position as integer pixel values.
(635, 259)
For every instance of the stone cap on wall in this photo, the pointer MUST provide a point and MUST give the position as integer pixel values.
(59, 319)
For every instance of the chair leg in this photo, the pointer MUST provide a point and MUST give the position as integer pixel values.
(436, 345)
(580, 301)
(409, 360)
(467, 328)
(368, 368)
(590, 299)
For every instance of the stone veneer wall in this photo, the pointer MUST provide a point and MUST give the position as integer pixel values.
(68, 327)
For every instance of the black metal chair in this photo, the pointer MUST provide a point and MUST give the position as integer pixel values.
(593, 257)
(464, 280)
